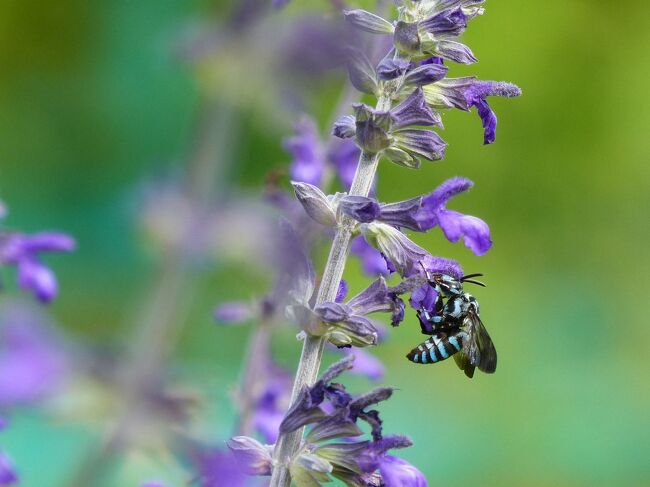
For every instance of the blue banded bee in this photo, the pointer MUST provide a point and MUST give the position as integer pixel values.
(456, 329)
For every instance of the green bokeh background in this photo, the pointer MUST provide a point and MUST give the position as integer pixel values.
(93, 103)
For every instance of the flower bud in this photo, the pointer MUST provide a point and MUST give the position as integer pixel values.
(368, 22)
(407, 38)
(315, 203)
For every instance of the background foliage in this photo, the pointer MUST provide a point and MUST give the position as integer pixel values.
(98, 98)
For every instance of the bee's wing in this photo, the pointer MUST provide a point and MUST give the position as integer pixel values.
(479, 348)
(462, 360)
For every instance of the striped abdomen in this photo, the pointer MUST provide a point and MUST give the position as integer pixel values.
(437, 348)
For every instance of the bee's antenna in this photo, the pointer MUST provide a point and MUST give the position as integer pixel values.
(478, 274)
(468, 276)
(478, 283)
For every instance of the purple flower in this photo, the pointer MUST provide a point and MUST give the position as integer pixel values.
(333, 414)
(344, 327)
(32, 362)
(401, 214)
(450, 22)
(378, 297)
(389, 132)
(424, 297)
(22, 251)
(476, 96)
(8, 475)
(454, 225)
(371, 459)
(414, 111)
(308, 162)
(396, 472)
(153, 483)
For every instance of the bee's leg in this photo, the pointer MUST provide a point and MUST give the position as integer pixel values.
(428, 323)
(440, 305)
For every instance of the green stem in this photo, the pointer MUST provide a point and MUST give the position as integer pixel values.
(312, 351)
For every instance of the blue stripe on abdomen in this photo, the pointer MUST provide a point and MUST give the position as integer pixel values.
(454, 343)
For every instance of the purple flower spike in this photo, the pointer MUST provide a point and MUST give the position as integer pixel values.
(8, 475)
(476, 94)
(308, 162)
(455, 225)
(22, 251)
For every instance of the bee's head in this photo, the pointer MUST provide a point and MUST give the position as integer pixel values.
(445, 284)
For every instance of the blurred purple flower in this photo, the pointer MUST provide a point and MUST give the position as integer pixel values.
(344, 156)
(153, 483)
(365, 364)
(22, 251)
(308, 162)
(372, 262)
(253, 457)
(217, 467)
(233, 312)
(342, 291)
(273, 402)
(32, 361)
(8, 475)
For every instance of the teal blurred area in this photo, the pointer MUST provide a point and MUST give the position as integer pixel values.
(103, 103)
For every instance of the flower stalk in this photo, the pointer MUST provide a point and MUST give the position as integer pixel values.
(312, 351)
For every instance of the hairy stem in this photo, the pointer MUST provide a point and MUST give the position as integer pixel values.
(312, 350)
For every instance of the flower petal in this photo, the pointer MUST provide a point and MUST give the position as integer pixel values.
(414, 111)
(475, 232)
